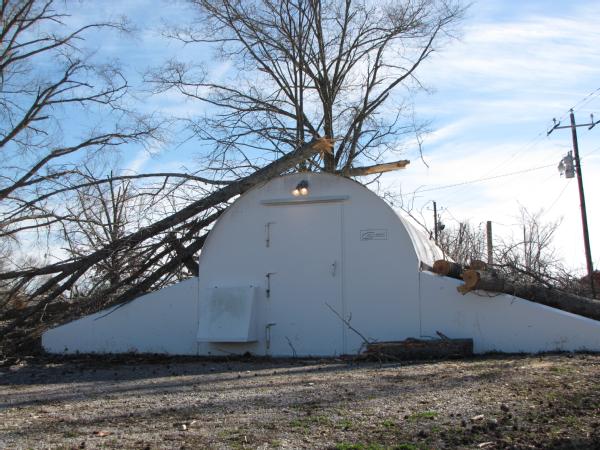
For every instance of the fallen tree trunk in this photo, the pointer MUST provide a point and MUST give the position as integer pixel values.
(188, 260)
(474, 278)
(447, 268)
(65, 274)
(455, 270)
(173, 234)
(221, 195)
(492, 282)
(417, 349)
(477, 264)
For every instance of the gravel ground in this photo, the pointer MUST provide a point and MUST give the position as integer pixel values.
(550, 401)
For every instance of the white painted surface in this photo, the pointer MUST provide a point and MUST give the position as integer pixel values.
(427, 250)
(228, 315)
(502, 322)
(340, 246)
(160, 322)
(305, 259)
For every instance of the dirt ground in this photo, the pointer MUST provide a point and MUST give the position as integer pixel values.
(550, 401)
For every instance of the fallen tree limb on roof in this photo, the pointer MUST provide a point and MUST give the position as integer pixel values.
(375, 169)
(58, 278)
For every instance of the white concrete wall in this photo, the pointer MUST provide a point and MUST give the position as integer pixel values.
(165, 321)
(501, 322)
(378, 278)
(317, 257)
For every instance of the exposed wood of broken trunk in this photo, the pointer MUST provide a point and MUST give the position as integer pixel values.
(447, 268)
(492, 282)
(455, 270)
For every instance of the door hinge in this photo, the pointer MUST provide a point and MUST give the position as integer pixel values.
(268, 334)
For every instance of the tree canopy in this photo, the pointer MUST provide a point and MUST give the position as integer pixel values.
(304, 68)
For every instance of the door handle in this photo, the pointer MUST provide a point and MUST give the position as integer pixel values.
(268, 234)
(268, 276)
(333, 268)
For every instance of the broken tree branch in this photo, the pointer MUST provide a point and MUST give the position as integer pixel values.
(375, 169)
(212, 200)
(66, 274)
(447, 268)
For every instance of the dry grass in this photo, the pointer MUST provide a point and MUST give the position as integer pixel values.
(550, 401)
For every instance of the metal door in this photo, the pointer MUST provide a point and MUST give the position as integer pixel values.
(304, 283)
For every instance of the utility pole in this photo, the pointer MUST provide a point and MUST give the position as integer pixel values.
(586, 236)
(525, 253)
(490, 248)
(435, 222)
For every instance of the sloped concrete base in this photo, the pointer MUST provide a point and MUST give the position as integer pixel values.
(164, 321)
(167, 321)
(500, 322)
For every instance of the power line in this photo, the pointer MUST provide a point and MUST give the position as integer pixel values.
(541, 134)
(589, 153)
(483, 179)
(479, 180)
(557, 198)
(533, 142)
(588, 98)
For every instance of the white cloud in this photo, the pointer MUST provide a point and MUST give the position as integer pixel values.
(138, 162)
(496, 93)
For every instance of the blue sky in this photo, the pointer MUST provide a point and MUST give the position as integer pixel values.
(494, 92)
(516, 66)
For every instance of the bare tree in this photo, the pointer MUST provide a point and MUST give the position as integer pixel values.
(532, 254)
(525, 258)
(46, 84)
(107, 212)
(59, 109)
(306, 68)
(463, 244)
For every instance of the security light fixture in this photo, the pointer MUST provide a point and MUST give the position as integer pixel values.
(301, 189)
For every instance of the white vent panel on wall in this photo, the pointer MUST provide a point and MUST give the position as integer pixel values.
(229, 315)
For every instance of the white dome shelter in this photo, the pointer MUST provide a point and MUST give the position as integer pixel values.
(302, 265)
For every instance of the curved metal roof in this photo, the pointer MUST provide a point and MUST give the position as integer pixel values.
(427, 251)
